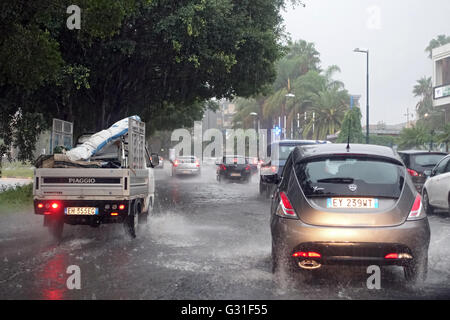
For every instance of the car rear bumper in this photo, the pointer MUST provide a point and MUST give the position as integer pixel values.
(107, 211)
(364, 246)
(186, 171)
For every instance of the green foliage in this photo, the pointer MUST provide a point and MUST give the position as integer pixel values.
(424, 90)
(351, 126)
(314, 90)
(16, 198)
(438, 42)
(161, 60)
(387, 141)
(444, 137)
(415, 137)
(16, 170)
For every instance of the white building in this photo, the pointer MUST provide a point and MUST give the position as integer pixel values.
(441, 79)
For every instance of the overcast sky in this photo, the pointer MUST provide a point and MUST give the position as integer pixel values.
(396, 32)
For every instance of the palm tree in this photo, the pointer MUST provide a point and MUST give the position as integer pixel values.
(444, 137)
(329, 107)
(424, 90)
(415, 137)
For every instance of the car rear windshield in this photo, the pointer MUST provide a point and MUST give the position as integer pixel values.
(425, 161)
(351, 176)
(233, 160)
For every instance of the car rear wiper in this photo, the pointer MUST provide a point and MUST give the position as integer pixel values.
(336, 180)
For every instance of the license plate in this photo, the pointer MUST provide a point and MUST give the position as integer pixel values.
(186, 172)
(235, 174)
(81, 211)
(352, 203)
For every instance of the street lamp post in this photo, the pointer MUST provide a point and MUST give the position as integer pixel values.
(366, 51)
(256, 117)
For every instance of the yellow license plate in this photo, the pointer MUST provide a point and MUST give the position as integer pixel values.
(352, 203)
(81, 211)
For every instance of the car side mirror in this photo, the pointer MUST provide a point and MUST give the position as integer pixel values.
(154, 160)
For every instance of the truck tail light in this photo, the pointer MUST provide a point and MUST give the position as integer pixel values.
(55, 205)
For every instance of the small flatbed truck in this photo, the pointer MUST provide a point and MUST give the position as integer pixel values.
(123, 191)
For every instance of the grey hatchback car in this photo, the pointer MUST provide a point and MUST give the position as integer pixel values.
(338, 205)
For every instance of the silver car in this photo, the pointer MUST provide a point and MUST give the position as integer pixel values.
(357, 205)
(188, 165)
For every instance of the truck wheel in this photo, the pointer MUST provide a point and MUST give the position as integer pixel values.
(143, 216)
(132, 220)
(56, 227)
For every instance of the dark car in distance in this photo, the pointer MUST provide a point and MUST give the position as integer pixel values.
(277, 154)
(419, 161)
(356, 206)
(234, 168)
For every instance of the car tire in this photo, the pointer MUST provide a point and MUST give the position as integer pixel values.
(281, 261)
(131, 222)
(56, 227)
(417, 270)
(449, 203)
(429, 210)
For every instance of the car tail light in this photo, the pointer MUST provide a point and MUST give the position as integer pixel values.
(40, 205)
(412, 173)
(391, 256)
(308, 254)
(247, 168)
(176, 163)
(274, 169)
(121, 207)
(396, 256)
(285, 208)
(55, 205)
(223, 168)
(197, 163)
(417, 211)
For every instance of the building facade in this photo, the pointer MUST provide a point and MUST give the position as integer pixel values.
(441, 80)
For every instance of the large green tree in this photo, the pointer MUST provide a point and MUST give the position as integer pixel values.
(161, 59)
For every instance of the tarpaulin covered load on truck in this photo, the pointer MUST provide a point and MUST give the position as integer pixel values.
(81, 155)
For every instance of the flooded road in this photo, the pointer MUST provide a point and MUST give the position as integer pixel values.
(205, 240)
